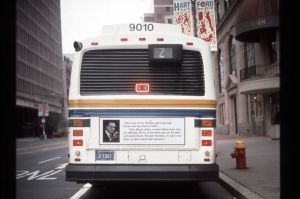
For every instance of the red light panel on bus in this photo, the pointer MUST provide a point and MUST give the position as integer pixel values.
(206, 132)
(94, 43)
(77, 132)
(124, 39)
(77, 142)
(206, 123)
(142, 88)
(206, 143)
(77, 123)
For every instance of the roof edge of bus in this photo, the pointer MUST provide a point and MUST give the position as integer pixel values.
(140, 27)
(123, 30)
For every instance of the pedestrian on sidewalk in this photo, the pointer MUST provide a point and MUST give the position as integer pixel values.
(41, 132)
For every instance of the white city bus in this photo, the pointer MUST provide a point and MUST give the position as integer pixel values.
(142, 107)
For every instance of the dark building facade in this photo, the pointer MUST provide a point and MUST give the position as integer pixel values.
(67, 77)
(39, 64)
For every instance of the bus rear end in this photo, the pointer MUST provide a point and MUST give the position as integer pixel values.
(142, 107)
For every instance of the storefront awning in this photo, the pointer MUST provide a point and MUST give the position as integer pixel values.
(255, 17)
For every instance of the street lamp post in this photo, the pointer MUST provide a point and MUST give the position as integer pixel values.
(44, 136)
(43, 111)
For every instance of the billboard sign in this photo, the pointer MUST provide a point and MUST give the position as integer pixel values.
(183, 16)
(206, 24)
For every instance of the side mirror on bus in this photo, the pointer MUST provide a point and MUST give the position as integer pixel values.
(77, 45)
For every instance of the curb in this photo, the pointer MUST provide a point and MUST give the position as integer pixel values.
(236, 189)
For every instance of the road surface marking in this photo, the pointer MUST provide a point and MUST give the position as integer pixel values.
(48, 160)
(53, 178)
(44, 176)
(62, 166)
(35, 175)
(82, 191)
(21, 173)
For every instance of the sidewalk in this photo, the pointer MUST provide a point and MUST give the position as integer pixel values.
(261, 178)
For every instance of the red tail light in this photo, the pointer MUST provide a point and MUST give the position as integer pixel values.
(206, 143)
(77, 142)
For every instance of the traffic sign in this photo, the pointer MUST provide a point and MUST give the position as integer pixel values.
(46, 110)
(43, 110)
(40, 110)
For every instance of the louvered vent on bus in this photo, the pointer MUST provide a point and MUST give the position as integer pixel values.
(115, 72)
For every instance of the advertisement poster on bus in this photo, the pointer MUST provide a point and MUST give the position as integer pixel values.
(206, 24)
(183, 16)
(149, 131)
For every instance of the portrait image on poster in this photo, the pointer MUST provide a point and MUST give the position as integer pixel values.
(111, 131)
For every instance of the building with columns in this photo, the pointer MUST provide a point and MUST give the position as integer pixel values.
(247, 67)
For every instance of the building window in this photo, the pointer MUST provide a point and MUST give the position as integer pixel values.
(272, 47)
(232, 55)
(249, 55)
(168, 19)
(168, 9)
(253, 107)
(221, 71)
(273, 52)
(275, 113)
(256, 106)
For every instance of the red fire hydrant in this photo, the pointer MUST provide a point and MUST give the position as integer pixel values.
(239, 154)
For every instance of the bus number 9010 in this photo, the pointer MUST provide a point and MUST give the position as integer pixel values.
(141, 27)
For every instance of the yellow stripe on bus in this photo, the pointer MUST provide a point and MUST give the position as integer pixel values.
(142, 103)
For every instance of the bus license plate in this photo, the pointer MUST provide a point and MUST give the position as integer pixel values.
(105, 155)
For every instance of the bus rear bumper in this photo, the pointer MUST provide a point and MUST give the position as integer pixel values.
(119, 173)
